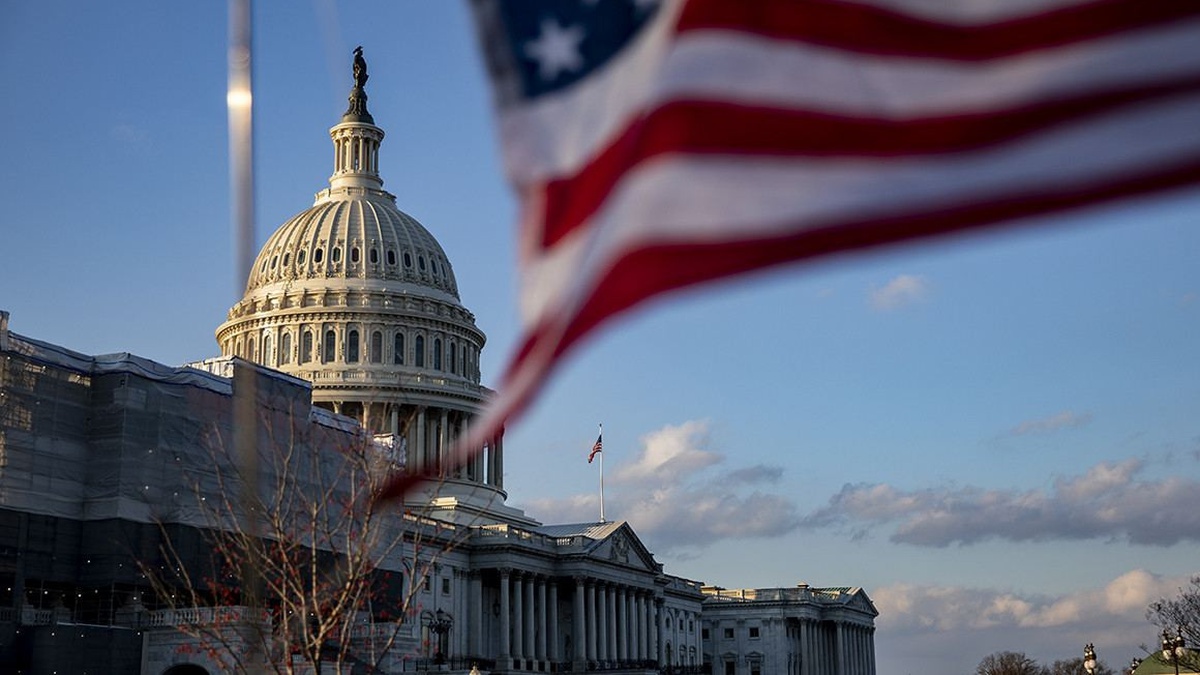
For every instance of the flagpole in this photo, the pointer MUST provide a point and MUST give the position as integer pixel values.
(601, 435)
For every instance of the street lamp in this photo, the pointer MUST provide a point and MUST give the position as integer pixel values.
(1089, 658)
(440, 625)
(1172, 647)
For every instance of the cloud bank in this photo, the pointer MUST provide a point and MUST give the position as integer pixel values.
(946, 630)
(1108, 501)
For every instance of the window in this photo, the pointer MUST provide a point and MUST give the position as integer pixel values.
(453, 358)
(421, 262)
(354, 255)
(437, 354)
(374, 257)
(267, 350)
(285, 348)
(376, 347)
(251, 353)
(755, 668)
(730, 668)
(352, 346)
(306, 346)
(274, 259)
(318, 255)
(445, 586)
(703, 633)
(407, 260)
(728, 633)
(419, 351)
(754, 632)
(691, 626)
(336, 255)
(391, 258)
(330, 346)
(398, 348)
(300, 257)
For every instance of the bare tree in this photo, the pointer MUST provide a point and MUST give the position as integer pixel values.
(305, 570)
(1008, 663)
(1179, 614)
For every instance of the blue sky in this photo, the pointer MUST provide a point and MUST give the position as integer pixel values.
(997, 435)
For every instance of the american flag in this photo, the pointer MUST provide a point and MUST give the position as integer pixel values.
(658, 145)
(598, 446)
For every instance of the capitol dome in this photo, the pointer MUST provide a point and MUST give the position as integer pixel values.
(358, 298)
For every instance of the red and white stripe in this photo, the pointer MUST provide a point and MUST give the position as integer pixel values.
(736, 135)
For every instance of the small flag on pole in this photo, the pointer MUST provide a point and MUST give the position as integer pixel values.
(596, 448)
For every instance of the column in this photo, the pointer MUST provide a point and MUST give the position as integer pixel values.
(540, 603)
(505, 629)
(622, 625)
(658, 634)
(613, 622)
(602, 622)
(553, 639)
(443, 431)
(591, 614)
(518, 635)
(475, 614)
(639, 625)
(579, 640)
(420, 449)
(839, 647)
(527, 588)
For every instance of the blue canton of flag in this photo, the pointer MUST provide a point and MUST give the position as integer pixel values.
(551, 44)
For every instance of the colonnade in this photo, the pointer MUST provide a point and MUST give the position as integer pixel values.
(610, 622)
(829, 648)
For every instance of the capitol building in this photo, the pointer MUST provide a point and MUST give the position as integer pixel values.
(351, 331)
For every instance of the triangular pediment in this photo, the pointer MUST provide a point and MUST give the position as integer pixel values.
(611, 542)
(623, 547)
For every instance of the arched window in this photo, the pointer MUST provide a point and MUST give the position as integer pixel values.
(266, 354)
(318, 255)
(354, 255)
(285, 348)
(374, 257)
(251, 352)
(453, 358)
(352, 346)
(437, 354)
(419, 351)
(398, 349)
(463, 359)
(328, 352)
(336, 256)
(376, 347)
(306, 346)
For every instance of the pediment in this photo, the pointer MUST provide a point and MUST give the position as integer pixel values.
(623, 547)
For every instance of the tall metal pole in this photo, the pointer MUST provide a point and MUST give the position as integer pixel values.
(240, 103)
(600, 440)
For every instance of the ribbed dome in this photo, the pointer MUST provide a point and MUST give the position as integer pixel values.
(353, 233)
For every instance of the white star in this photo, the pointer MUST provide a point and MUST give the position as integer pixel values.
(556, 49)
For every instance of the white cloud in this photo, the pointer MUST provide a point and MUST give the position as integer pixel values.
(899, 292)
(671, 454)
(675, 503)
(1108, 501)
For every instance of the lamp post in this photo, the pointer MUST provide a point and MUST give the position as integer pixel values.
(1089, 658)
(440, 625)
(1172, 647)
